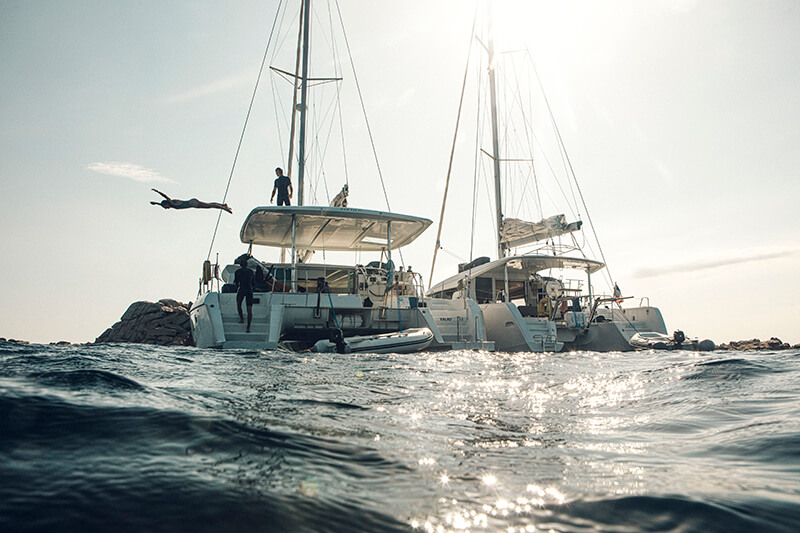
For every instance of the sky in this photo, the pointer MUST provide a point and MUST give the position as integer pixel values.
(680, 116)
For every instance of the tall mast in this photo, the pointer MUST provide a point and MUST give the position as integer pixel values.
(495, 140)
(294, 97)
(301, 152)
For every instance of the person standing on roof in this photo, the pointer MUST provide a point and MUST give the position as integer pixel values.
(283, 186)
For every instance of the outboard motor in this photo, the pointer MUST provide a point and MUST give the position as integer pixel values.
(337, 337)
(678, 337)
(321, 286)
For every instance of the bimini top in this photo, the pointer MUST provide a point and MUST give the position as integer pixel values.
(329, 228)
(529, 263)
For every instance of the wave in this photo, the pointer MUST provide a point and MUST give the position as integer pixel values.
(133, 468)
(670, 513)
(171, 504)
(728, 369)
(88, 379)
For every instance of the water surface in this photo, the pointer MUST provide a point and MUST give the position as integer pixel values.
(142, 438)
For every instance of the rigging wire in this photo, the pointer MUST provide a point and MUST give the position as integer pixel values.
(488, 174)
(480, 170)
(322, 137)
(241, 137)
(281, 39)
(366, 119)
(363, 107)
(530, 133)
(452, 154)
(337, 72)
(322, 147)
(453, 254)
(574, 178)
(475, 163)
(538, 192)
(277, 103)
(527, 123)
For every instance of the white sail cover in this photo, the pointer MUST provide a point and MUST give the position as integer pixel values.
(516, 232)
(329, 228)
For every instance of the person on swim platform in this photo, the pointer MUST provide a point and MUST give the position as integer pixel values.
(283, 186)
(169, 203)
(243, 279)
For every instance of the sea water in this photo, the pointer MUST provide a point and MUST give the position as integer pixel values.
(140, 438)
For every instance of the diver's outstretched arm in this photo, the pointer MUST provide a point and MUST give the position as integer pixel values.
(162, 194)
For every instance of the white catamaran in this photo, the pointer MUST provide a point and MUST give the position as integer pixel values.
(370, 307)
(543, 298)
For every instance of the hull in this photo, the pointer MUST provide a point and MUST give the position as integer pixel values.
(512, 332)
(292, 317)
(460, 324)
(611, 330)
(300, 320)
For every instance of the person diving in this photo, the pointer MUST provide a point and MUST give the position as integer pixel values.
(170, 203)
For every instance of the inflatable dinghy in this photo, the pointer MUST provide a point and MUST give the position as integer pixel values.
(405, 341)
(650, 340)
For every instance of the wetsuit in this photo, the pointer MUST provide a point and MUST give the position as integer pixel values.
(184, 204)
(282, 183)
(243, 279)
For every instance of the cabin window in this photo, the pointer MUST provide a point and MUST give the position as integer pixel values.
(516, 290)
(340, 282)
(284, 275)
(484, 290)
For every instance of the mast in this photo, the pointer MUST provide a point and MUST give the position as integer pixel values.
(301, 153)
(294, 99)
(495, 137)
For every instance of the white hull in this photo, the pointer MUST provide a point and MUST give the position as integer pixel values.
(614, 330)
(279, 317)
(292, 316)
(460, 325)
(512, 332)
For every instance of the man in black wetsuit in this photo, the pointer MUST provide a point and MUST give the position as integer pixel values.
(283, 186)
(243, 279)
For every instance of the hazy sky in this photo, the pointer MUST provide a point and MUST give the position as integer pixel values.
(681, 118)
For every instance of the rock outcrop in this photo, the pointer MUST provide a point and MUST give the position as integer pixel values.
(15, 341)
(773, 343)
(165, 322)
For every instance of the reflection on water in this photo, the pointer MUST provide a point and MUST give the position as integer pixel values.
(454, 441)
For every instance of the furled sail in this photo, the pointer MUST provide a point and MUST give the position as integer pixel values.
(340, 200)
(515, 232)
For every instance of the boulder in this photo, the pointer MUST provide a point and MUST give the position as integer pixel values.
(15, 341)
(773, 343)
(165, 323)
